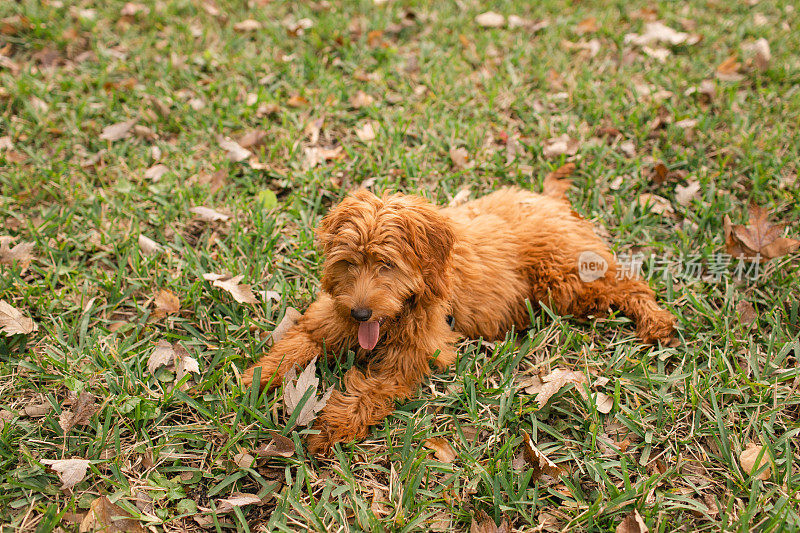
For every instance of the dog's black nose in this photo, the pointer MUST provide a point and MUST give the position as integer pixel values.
(361, 314)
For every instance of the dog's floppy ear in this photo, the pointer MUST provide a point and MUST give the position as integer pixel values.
(332, 222)
(431, 238)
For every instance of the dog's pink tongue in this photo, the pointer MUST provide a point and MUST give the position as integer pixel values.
(368, 333)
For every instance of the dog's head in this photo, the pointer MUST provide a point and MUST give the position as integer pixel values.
(382, 254)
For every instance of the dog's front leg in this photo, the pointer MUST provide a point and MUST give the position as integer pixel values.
(303, 342)
(368, 398)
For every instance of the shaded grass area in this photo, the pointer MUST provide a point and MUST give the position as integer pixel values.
(681, 416)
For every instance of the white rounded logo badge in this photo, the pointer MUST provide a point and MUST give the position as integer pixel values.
(591, 266)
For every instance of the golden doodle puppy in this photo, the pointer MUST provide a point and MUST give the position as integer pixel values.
(402, 279)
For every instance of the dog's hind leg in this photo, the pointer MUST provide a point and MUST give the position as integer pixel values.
(636, 300)
(313, 334)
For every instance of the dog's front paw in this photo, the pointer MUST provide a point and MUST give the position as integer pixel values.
(321, 443)
(658, 327)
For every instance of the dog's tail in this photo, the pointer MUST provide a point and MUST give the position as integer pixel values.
(557, 182)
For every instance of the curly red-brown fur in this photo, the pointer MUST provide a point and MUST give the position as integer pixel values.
(412, 265)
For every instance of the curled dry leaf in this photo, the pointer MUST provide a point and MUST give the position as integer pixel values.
(655, 204)
(37, 410)
(632, 523)
(483, 523)
(459, 156)
(728, 70)
(561, 145)
(109, 518)
(540, 463)
(297, 101)
(117, 131)
(604, 403)
(235, 151)
(684, 194)
(208, 214)
(244, 460)
(241, 293)
(247, 25)
(148, 246)
(13, 322)
(294, 388)
(21, 253)
(167, 303)
(746, 311)
(163, 355)
(278, 446)
(490, 19)
(759, 238)
(289, 319)
(749, 459)
(366, 132)
(237, 499)
(361, 99)
(80, 413)
(253, 138)
(314, 155)
(658, 32)
(558, 379)
(156, 172)
(763, 54)
(69, 471)
(441, 449)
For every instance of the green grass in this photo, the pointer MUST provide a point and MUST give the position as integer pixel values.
(686, 412)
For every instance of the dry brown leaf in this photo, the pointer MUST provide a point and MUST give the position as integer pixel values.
(655, 204)
(563, 144)
(483, 523)
(185, 364)
(314, 155)
(289, 319)
(208, 214)
(297, 101)
(241, 293)
(109, 518)
(148, 246)
(278, 446)
(556, 183)
(252, 139)
(587, 25)
(490, 19)
(632, 523)
(163, 355)
(237, 499)
(539, 462)
(80, 413)
(235, 151)
(21, 253)
(658, 32)
(244, 460)
(604, 403)
(758, 238)
(69, 471)
(728, 70)
(459, 156)
(131, 9)
(361, 99)
(685, 194)
(156, 172)
(247, 25)
(441, 449)
(366, 132)
(167, 303)
(748, 459)
(556, 380)
(37, 410)
(746, 311)
(763, 54)
(294, 387)
(117, 131)
(13, 322)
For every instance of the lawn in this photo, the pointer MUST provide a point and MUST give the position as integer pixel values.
(124, 397)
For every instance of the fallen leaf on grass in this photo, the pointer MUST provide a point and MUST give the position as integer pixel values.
(655, 204)
(208, 214)
(746, 311)
(563, 144)
(289, 319)
(483, 523)
(604, 403)
(759, 238)
(80, 413)
(247, 25)
(297, 101)
(117, 131)
(441, 449)
(587, 25)
(314, 155)
(244, 460)
(459, 156)
(366, 132)
(235, 151)
(237, 499)
(294, 387)
(684, 194)
(241, 293)
(172, 355)
(37, 410)
(490, 19)
(763, 55)
(156, 172)
(558, 379)
(167, 303)
(148, 246)
(658, 32)
(109, 518)
(632, 523)
(21, 253)
(540, 463)
(728, 70)
(69, 471)
(278, 446)
(748, 459)
(252, 138)
(361, 99)
(13, 322)
(163, 355)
